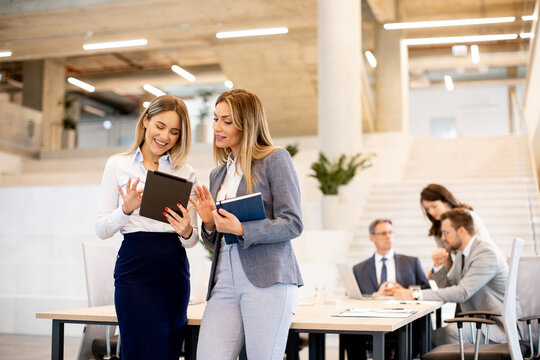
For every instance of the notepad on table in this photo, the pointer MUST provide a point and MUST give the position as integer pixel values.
(377, 312)
(246, 208)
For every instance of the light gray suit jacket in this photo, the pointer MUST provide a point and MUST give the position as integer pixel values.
(480, 286)
(265, 250)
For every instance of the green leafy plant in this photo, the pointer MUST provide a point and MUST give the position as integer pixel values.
(68, 122)
(292, 149)
(331, 175)
(208, 250)
(204, 111)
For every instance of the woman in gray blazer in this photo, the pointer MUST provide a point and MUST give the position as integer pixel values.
(254, 280)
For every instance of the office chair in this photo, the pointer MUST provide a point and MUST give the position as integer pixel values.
(512, 349)
(528, 295)
(99, 260)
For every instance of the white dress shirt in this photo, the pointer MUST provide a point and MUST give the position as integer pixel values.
(390, 266)
(230, 184)
(229, 187)
(111, 218)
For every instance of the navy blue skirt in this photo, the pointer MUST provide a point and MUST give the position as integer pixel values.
(151, 295)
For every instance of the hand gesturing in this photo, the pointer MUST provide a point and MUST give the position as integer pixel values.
(204, 205)
(132, 197)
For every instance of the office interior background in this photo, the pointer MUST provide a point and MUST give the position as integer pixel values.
(454, 103)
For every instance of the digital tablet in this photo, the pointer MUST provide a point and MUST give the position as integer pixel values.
(163, 190)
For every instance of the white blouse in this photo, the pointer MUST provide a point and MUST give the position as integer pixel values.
(111, 217)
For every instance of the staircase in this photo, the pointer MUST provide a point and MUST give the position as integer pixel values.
(492, 174)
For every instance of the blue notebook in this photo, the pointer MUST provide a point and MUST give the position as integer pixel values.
(246, 208)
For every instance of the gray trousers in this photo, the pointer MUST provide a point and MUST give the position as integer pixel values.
(240, 313)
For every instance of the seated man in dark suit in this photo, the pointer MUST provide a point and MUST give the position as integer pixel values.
(382, 274)
(387, 271)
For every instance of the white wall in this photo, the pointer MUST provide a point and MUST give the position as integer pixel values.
(478, 110)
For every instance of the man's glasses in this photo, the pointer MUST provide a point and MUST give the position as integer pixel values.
(384, 233)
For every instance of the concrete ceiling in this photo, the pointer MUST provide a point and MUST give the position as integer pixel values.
(282, 69)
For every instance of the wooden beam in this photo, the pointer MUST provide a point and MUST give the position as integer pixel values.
(383, 10)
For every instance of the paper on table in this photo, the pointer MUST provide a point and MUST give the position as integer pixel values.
(377, 312)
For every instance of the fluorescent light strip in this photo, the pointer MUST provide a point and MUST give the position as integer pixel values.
(81, 84)
(183, 73)
(153, 90)
(371, 58)
(115, 44)
(531, 17)
(252, 32)
(475, 54)
(459, 39)
(448, 82)
(526, 35)
(444, 23)
(5, 53)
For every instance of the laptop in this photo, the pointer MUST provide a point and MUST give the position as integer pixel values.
(164, 190)
(351, 286)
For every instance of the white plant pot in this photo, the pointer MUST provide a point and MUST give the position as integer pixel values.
(330, 212)
(69, 137)
(201, 132)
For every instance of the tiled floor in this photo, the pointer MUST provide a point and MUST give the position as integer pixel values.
(29, 347)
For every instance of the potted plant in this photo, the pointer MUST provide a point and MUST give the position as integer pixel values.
(332, 175)
(202, 128)
(69, 124)
(292, 149)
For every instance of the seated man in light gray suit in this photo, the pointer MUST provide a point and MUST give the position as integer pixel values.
(476, 280)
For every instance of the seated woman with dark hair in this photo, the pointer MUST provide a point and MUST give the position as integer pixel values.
(436, 200)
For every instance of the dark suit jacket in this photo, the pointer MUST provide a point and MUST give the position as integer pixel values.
(408, 272)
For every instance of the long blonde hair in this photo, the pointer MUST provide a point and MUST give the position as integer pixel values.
(180, 151)
(248, 116)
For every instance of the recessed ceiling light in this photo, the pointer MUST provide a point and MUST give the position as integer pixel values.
(5, 53)
(115, 44)
(252, 32)
(444, 23)
(228, 83)
(107, 124)
(183, 73)
(81, 84)
(153, 90)
(459, 39)
(371, 58)
(459, 50)
(146, 104)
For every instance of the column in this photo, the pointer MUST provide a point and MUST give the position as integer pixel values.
(339, 87)
(44, 86)
(391, 82)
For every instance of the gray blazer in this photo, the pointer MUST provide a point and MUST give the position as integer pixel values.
(480, 286)
(265, 250)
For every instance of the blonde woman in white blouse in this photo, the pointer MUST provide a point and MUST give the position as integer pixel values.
(151, 275)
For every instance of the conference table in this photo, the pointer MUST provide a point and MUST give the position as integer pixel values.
(316, 317)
